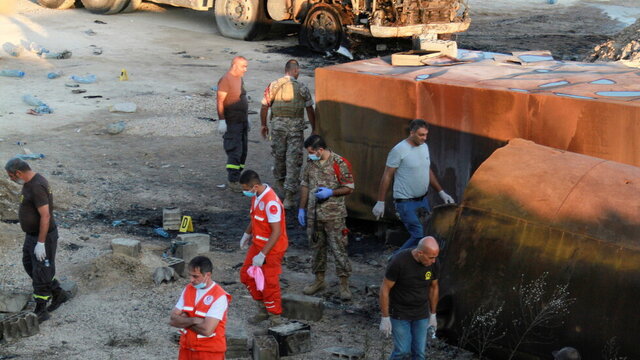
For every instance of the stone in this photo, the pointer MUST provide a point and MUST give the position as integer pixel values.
(176, 263)
(171, 218)
(293, 338)
(127, 107)
(203, 240)
(341, 352)
(13, 301)
(127, 247)
(17, 326)
(302, 307)
(70, 287)
(164, 274)
(372, 290)
(265, 347)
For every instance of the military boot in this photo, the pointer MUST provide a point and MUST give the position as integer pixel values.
(289, 200)
(234, 186)
(316, 286)
(59, 296)
(261, 316)
(41, 311)
(345, 292)
(275, 320)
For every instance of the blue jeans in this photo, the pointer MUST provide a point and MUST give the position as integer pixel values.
(409, 339)
(408, 212)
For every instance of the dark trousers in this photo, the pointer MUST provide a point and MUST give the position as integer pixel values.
(42, 276)
(235, 142)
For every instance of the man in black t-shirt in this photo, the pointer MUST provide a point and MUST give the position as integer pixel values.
(409, 297)
(41, 236)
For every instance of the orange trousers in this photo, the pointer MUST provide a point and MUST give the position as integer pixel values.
(187, 354)
(272, 268)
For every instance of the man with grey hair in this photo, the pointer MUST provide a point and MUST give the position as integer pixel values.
(41, 236)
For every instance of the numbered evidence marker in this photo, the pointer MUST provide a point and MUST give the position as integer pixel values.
(186, 225)
(123, 75)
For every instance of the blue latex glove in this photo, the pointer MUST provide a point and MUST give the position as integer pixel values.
(323, 193)
(302, 217)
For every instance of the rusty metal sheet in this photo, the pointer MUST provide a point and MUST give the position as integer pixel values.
(531, 209)
(474, 108)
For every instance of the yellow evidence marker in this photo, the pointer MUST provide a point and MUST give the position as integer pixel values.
(186, 225)
(123, 75)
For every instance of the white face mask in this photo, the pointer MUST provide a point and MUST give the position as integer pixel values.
(19, 181)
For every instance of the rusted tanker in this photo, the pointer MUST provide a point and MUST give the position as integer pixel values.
(530, 210)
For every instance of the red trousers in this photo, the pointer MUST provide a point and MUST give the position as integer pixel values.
(272, 268)
(186, 354)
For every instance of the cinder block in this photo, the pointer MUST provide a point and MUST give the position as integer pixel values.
(340, 352)
(237, 343)
(293, 338)
(186, 252)
(265, 347)
(302, 307)
(202, 240)
(171, 218)
(13, 301)
(19, 325)
(127, 247)
(175, 263)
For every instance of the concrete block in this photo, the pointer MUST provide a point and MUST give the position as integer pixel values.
(176, 263)
(171, 218)
(340, 352)
(13, 301)
(265, 347)
(19, 325)
(293, 338)
(302, 307)
(202, 240)
(127, 247)
(186, 252)
(446, 47)
(70, 287)
(237, 343)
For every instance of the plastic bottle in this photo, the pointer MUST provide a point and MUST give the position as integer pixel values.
(32, 100)
(12, 73)
(89, 79)
(431, 332)
(13, 50)
(46, 263)
(54, 75)
(161, 232)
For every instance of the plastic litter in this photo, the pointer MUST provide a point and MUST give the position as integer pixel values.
(54, 75)
(124, 107)
(344, 52)
(89, 79)
(161, 232)
(12, 49)
(40, 106)
(30, 156)
(124, 222)
(12, 73)
(65, 54)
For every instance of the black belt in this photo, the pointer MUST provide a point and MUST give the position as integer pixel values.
(36, 234)
(412, 199)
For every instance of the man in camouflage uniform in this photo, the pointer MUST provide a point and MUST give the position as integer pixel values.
(287, 99)
(329, 178)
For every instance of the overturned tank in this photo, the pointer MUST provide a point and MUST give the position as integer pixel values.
(532, 212)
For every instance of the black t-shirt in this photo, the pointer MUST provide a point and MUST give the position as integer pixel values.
(34, 194)
(409, 296)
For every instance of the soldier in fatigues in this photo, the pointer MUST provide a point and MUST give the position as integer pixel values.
(328, 176)
(287, 98)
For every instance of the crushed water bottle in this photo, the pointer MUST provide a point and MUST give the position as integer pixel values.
(12, 73)
(161, 232)
(13, 50)
(54, 75)
(89, 79)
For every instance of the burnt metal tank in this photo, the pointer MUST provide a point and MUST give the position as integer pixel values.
(530, 210)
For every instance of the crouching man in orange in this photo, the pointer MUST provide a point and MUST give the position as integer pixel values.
(201, 314)
(267, 234)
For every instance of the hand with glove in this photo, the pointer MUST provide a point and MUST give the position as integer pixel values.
(378, 210)
(40, 251)
(222, 126)
(258, 260)
(302, 217)
(446, 197)
(244, 242)
(433, 321)
(323, 193)
(385, 326)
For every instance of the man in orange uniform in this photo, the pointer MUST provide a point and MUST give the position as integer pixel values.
(201, 314)
(267, 233)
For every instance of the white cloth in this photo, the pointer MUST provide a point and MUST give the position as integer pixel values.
(216, 310)
(411, 179)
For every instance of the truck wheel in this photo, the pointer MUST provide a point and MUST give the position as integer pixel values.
(322, 29)
(57, 4)
(104, 7)
(132, 6)
(242, 19)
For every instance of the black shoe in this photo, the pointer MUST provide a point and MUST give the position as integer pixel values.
(41, 312)
(59, 297)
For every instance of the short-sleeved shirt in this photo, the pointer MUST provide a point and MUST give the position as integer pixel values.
(332, 173)
(216, 310)
(412, 164)
(409, 297)
(35, 193)
(236, 105)
(274, 209)
(287, 98)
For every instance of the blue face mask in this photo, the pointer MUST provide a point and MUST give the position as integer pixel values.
(200, 286)
(314, 157)
(248, 193)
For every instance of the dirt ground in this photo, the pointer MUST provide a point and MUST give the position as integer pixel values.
(170, 155)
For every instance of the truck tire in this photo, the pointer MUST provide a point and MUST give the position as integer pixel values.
(242, 19)
(104, 7)
(132, 6)
(322, 29)
(57, 4)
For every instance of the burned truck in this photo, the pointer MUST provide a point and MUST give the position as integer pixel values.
(324, 24)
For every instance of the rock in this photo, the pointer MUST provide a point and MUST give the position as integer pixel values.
(302, 307)
(116, 128)
(202, 240)
(349, 353)
(70, 287)
(127, 107)
(293, 338)
(13, 301)
(127, 247)
(164, 273)
(19, 325)
(265, 347)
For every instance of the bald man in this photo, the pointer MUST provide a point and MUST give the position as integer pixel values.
(409, 297)
(233, 116)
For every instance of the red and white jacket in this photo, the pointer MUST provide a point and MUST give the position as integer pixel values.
(267, 208)
(190, 339)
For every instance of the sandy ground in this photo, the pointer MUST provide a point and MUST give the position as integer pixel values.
(170, 155)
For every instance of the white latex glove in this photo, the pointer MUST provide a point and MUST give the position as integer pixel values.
(385, 326)
(433, 321)
(378, 210)
(222, 126)
(446, 197)
(258, 260)
(40, 251)
(244, 242)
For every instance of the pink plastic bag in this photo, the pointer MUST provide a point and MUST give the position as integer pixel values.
(256, 273)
